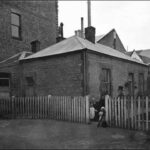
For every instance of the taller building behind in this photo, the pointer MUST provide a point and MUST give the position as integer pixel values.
(22, 22)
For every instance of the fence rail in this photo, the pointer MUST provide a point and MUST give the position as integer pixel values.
(75, 109)
(128, 112)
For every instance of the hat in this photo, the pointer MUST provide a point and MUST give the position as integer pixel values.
(102, 108)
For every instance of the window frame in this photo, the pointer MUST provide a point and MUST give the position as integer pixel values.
(108, 78)
(18, 26)
(8, 82)
(141, 86)
(132, 90)
(30, 81)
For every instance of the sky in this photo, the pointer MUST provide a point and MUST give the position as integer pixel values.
(131, 19)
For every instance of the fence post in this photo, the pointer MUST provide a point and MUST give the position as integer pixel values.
(119, 111)
(87, 109)
(125, 112)
(139, 113)
(106, 107)
(131, 112)
(13, 110)
(147, 113)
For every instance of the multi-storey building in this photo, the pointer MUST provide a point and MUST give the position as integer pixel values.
(22, 22)
(25, 27)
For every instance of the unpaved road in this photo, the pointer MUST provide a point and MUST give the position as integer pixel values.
(51, 134)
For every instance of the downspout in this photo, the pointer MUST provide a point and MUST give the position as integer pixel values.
(85, 73)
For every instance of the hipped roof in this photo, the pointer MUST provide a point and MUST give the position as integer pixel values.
(75, 43)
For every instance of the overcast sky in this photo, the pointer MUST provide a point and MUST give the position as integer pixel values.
(131, 19)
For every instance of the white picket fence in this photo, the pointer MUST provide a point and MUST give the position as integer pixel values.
(67, 108)
(128, 112)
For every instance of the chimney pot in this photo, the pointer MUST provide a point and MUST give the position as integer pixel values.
(90, 34)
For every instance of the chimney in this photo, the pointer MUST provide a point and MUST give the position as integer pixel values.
(89, 12)
(90, 31)
(35, 46)
(60, 34)
(82, 28)
(90, 34)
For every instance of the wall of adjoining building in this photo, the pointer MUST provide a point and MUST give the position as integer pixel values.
(108, 40)
(119, 74)
(14, 70)
(39, 21)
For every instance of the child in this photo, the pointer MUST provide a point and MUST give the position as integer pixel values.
(101, 120)
(92, 112)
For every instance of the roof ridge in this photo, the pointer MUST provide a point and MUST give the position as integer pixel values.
(78, 38)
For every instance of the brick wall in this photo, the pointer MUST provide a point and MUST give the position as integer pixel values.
(57, 75)
(39, 21)
(119, 73)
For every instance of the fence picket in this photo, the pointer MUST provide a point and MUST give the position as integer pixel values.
(147, 113)
(125, 112)
(75, 109)
(131, 112)
(110, 111)
(118, 101)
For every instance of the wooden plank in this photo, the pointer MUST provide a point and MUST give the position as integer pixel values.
(65, 108)
(54, 107)
(125, 112)
(82, 110)
(60, 110)
(139, 113)
(132, 123)
(147, 121)
(37, 107)
(34, 107)
(116, 114)
(87, 109)
(113, 112)
(110, 111)
(48, 106)
(142, 112)
(122, 112)
(107, 108)
(119, 117)
(135, 114)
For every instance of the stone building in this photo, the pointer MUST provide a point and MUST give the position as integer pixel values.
(23, 23)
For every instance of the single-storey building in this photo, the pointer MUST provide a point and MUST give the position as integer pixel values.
(78, 67)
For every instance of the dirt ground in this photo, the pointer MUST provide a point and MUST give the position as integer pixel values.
(51, 134)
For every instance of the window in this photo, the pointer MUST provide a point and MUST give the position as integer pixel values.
(131, 84)
(4, 79)
(141, 83)
(30, 81)
(16, 25)
(35, 46)
(106, 81)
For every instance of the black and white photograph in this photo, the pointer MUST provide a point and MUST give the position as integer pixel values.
(74, 74)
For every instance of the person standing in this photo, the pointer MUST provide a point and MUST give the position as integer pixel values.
(101, 120)
(92, 111)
